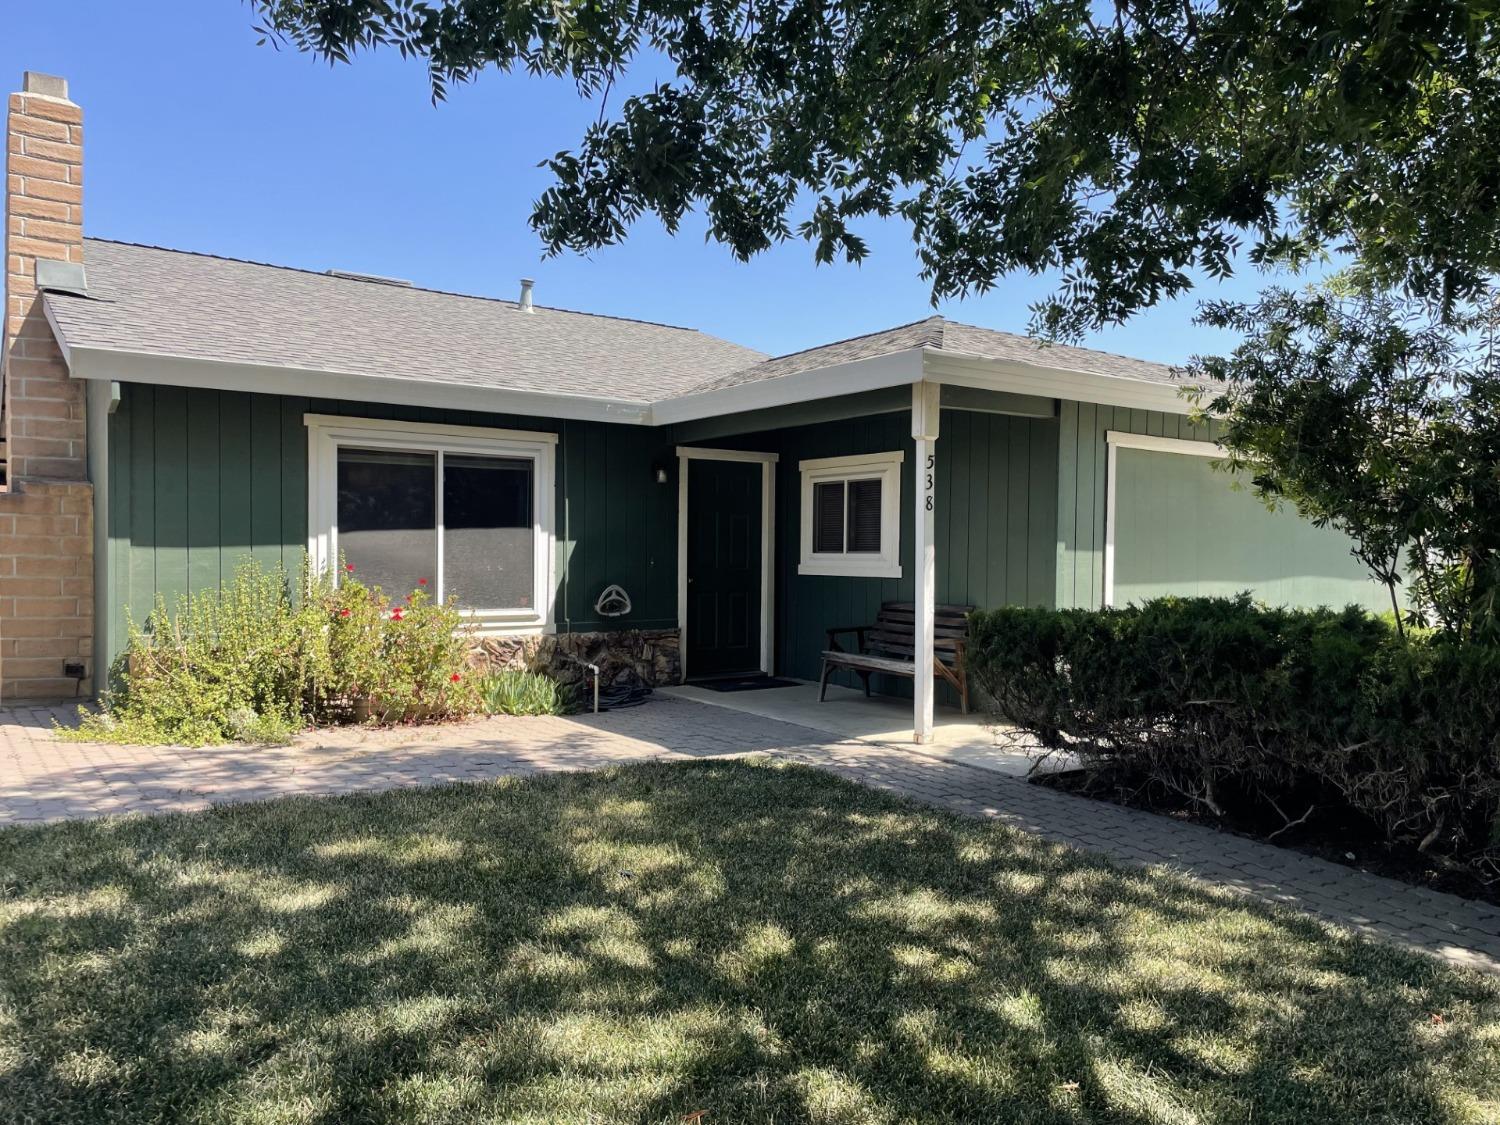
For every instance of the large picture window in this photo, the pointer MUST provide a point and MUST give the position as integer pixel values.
(459, 509)
(851, 516)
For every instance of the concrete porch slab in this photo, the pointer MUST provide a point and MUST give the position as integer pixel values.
(973, 739)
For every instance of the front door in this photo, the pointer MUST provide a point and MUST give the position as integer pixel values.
(723, 568)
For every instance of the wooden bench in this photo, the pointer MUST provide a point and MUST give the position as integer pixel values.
(889, 646)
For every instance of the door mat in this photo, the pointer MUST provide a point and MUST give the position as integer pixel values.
(743, 683)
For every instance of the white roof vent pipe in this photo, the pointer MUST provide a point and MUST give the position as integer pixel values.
(526, 287)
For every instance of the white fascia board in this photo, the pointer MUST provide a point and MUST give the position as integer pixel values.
(1050, 382)
(857, 375)
(183, 371)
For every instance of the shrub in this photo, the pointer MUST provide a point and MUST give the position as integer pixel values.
(251, 662)
(392, 661)
(1205, 695)
(515, 691)
(227, 663)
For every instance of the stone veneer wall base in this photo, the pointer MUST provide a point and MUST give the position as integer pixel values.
(624, 657)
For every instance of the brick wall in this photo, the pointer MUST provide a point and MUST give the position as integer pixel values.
(46, 510)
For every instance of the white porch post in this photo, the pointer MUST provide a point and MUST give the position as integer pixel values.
(925, 410)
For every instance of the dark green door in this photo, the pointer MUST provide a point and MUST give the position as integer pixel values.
(723, 568)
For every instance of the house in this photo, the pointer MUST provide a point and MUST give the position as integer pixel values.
(167, 414)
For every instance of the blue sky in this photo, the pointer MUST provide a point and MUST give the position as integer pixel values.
(198, 139)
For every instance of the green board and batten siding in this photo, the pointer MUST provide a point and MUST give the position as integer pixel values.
(199, 480)
(995, 530)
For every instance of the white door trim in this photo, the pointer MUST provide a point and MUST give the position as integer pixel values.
(686, 454)
(1117, 440)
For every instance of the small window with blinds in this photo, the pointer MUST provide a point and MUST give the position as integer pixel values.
(828, 517)
(851, 515)
(864, 517)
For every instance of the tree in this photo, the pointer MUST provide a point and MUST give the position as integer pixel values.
(1367, 413)
(1131, 148)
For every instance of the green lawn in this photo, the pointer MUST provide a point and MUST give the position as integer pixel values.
(763, 943)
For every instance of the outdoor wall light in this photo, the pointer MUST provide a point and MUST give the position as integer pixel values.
(660, 473)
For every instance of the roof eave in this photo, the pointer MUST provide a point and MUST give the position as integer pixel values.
(190, 371)
(911, 365)
(924, 364)
(874, 373)
(1053, 382)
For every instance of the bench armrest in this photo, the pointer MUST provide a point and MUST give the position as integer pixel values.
(833, 635)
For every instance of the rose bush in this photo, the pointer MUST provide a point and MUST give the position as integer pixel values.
(266, 655)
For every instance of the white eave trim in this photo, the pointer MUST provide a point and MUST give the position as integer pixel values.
(224, 375)
(1052, 382)
(890, 370)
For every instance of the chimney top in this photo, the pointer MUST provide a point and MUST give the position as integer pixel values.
(48, 85)
(526, 285)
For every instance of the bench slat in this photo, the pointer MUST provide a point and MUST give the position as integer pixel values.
(889, 646)
(901, 636)
(953, 624)
(904, 636)
(873, 663)
(942, 629)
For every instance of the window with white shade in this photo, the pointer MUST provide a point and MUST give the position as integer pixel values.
(851, 516)
(460, 511)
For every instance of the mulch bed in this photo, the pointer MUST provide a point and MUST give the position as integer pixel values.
(1331, 832)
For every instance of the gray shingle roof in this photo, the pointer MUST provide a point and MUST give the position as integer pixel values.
(952, 337)
(170, 302)
(178, 303)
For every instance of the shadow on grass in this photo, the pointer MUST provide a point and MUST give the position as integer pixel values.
(761, 942)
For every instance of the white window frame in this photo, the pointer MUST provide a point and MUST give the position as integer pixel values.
(326, 434)
(884, 467)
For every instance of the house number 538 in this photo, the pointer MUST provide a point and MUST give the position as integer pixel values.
(927, 490)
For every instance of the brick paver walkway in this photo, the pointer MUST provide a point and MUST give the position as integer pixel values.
(42, 779)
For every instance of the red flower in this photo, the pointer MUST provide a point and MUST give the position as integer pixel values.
(421, 581)
(455, 677)
(349, 567)
(344, 612)
(398, 613)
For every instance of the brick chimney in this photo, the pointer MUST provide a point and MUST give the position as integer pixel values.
(46, 506)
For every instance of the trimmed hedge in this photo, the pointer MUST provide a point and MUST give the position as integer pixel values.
(1210, 695)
